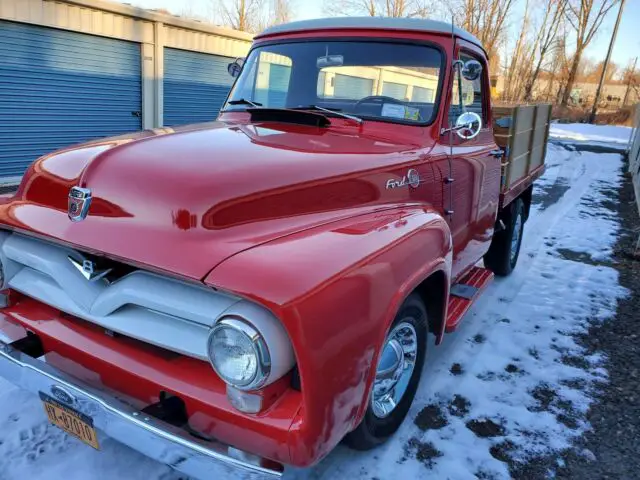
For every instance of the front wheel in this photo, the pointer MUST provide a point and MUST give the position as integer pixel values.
(397, 376)
(503, 253)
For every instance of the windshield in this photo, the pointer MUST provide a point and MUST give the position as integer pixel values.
(386, 81)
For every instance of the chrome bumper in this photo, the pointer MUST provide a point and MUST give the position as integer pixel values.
(154, 438)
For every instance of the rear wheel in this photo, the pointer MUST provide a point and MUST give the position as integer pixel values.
(397, 376)
(503, 254)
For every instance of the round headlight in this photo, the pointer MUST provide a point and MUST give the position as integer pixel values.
(239, 354)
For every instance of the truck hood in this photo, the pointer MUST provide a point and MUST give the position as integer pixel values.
(183, 200)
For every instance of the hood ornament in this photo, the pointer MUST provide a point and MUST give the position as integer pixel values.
(79, 203)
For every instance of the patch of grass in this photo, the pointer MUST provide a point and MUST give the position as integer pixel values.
(431, 418)
(486, 428)
(425, 452)
(456, 369)
(459, 406)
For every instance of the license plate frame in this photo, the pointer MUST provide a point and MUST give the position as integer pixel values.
(70, 420)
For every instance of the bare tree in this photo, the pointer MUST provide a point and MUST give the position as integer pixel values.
(595, 72)
(373, 8)
(244, 15)
(188, 11)
(545, 40)
(516, 67)
(631, 79)
(486, 19)
(281, 12)
(585, 16)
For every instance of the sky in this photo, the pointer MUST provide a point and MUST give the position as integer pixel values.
(626, 48)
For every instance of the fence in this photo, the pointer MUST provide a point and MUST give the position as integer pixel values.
(634, 154)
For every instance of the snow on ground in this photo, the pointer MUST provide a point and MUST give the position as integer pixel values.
(584, 132)
(512, 373)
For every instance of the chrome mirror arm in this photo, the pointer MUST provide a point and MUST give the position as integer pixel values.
(456, 128)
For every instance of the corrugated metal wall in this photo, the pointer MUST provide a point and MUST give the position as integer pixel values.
(634, 154)
(58, 88)
(195, 86)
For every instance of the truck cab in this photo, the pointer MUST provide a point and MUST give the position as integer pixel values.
(245, 294)
(399, 89)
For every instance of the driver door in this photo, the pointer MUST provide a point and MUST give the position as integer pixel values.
(473, 193)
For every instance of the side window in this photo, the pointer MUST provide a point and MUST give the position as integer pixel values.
(472, 94)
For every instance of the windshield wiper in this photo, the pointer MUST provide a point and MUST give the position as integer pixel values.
(244, 101)
(358, 120)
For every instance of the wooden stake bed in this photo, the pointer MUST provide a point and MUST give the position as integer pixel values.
(521, 131)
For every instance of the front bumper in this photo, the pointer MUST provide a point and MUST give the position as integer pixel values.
(154, 438)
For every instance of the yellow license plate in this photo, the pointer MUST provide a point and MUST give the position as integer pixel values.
(75, 423)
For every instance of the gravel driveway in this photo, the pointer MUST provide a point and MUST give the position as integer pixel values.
(610, 449)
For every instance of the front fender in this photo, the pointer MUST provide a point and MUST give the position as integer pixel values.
(337, 288)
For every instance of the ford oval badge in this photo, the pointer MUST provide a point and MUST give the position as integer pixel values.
(62, 395)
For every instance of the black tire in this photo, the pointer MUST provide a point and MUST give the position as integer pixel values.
(373, 430)
(499, 258)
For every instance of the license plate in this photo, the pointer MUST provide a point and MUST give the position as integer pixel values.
(71, 421)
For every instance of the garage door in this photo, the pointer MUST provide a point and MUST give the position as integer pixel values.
(394, 90)
(195, 86)
(352, 87)
(58, 88)
(423, 95)
(277, 85)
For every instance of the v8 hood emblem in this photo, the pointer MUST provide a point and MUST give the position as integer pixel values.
(89, 269)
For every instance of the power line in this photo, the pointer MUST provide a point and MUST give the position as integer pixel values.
(592, 117)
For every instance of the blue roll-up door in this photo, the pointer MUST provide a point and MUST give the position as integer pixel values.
(275, 95)
(195, 86)
(58, 88)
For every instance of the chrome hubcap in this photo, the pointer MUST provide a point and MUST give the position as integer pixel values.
(396, 364)
(515, 239)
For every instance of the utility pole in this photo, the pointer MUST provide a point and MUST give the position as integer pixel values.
(632, 74)
(592, 117)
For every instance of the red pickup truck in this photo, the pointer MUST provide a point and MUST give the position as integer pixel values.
(244, 294)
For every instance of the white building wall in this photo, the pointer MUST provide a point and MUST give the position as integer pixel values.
(634, 154)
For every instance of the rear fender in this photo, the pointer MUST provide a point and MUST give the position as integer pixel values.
(337, 289)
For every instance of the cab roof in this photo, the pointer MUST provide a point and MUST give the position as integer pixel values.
(383, 23)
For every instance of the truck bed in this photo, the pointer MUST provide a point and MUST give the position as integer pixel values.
(522, 132)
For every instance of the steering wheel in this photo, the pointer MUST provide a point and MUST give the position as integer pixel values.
(376, 98)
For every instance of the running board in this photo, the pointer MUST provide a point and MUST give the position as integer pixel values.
(463, 294)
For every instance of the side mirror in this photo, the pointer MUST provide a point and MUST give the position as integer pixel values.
(471, 70)
(468, 125)
(235, 67)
